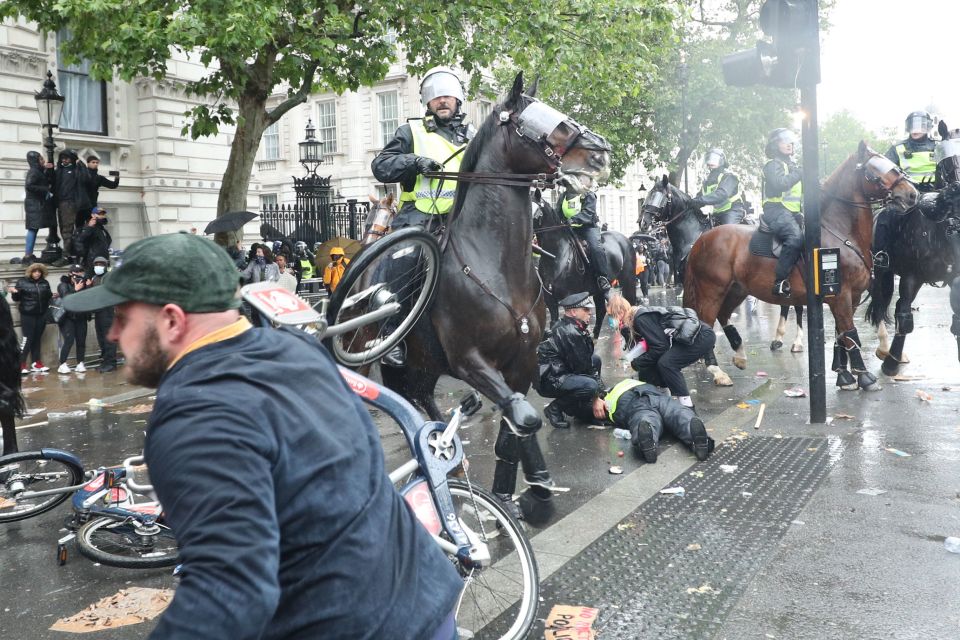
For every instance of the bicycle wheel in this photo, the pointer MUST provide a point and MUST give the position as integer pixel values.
(34, 471)
(500, 600)
(402, 267)
(127, 543)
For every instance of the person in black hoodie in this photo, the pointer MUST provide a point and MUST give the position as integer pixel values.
(38, 205)
(93, 240)
(96, 180)
(71, 191)
(33, 294)
(73, 326)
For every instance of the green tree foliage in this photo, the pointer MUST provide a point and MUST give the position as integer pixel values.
(736, 119)
(839, 136)
(599, 59)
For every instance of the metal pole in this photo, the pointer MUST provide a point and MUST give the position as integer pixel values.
(683, 123)
(811, 212)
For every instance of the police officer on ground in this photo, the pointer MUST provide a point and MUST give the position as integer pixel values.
(915, 156)
(782, 200)
(580, 210)
(569, 369)
(721, 190)
(433, 143)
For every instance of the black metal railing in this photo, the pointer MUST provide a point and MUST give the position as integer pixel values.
(314, 224)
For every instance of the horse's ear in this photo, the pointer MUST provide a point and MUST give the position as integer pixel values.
(537, 196)
(863, 151)
(389, 200)
(516, 92)
(944, 130)
(374, 199)
(665, 181)
(532, 89)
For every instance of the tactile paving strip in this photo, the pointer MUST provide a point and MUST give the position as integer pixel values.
(646, 575)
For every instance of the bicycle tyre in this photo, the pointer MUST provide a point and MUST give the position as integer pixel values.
(70, 471)
(361, 271)
(514, 621)
(112, 541)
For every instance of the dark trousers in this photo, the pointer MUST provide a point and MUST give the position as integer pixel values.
(666, 371)
(32, 329)
(102, 320)
(730, 216)
(73, 330)
(663, 273)
(644, 281)
(575, 394)
(67, 216)
(883, 230)
(645, 407)
(598, 259)
(785, 226)
(402, 275)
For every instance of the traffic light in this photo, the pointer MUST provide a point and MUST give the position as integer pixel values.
(791, 60)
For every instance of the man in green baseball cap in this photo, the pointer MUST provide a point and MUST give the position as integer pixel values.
(250, 473)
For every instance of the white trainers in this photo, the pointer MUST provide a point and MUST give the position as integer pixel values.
(39, 367)
(80, 368)
(64, 368)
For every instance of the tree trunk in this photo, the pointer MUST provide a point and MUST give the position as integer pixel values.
(251, 122)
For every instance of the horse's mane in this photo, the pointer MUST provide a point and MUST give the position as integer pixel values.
(835, 174)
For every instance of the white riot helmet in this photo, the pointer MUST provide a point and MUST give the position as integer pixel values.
(441, 81)
(918, 122)
(715, 159)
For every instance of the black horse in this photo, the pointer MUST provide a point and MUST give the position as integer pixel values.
(671, 208)
(486, 320)
(568, 272)
(927, 251)
(11, 400)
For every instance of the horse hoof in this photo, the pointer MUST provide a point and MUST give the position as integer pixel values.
(720, 377)
(776, 345)
(904, 359)
(797, 348)
(882, 355)
(846, 381)
(868, 382)
(890, 367)
(739, 362)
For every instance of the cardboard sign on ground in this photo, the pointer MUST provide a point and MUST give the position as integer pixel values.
(128, 606)
(567, 622)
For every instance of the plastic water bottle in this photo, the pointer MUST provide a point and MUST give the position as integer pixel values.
(623, 434)
(952, 544)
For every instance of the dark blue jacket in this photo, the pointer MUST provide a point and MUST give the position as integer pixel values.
(271, 475)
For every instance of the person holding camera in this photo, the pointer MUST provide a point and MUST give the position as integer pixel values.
(73, 326)
(95, 180)
(93, 240)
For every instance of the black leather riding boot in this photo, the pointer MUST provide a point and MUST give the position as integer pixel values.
(535, 471)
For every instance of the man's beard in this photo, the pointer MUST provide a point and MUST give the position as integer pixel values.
(150, 364)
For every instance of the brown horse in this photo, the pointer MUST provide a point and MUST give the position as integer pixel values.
(488, 314)
(722, 270)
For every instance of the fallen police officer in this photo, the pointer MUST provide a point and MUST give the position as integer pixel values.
(646, 411)
(569, 369)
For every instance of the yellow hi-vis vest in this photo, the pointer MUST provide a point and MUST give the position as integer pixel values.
(710, 188)
(431, 196)
(618, 390)
(306, 268)
(791, 200)
(919, 166)
(570, 208)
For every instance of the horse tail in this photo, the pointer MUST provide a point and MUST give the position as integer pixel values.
(881, 293)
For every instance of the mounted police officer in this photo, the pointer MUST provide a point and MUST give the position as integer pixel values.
(569, 369)
(721, 190)
(915, 155)
(433, 143)
(580, 210)
(782, 203)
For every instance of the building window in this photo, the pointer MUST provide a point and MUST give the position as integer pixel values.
(484, 108)
(85, 104)
(268, 200)
(271, 142)
(327, 126)
(389, 115)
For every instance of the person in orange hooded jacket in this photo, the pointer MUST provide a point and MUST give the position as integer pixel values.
(333, 272)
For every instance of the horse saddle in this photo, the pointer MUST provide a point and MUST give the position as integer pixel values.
(763, 243)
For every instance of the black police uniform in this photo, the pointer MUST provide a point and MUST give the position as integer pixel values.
(779, 176)
(675, 339)
(728, 185)
(569, 369)
(585, 225)
(885, 227)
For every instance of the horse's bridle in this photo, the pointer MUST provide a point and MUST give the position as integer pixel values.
(874, 171)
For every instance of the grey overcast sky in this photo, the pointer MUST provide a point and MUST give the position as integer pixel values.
(882, 59)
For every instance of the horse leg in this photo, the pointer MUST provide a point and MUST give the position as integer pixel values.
(601, 305)
(730, 303)
(903, 316)
(883, 349)
(845, 379)
(777, 343)
(797, 346)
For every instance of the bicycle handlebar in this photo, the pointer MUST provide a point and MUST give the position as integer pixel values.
(128, 465)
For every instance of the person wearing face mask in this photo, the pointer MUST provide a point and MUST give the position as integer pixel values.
(569, 369)
(333, 272)
(782, 204)
(73, 326)
(33, 294)
(93, 240)
(103, 319)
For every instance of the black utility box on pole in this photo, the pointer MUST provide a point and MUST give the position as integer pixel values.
(792, 61)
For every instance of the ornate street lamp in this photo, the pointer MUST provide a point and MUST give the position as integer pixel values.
(311, 149)
(50, 108)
